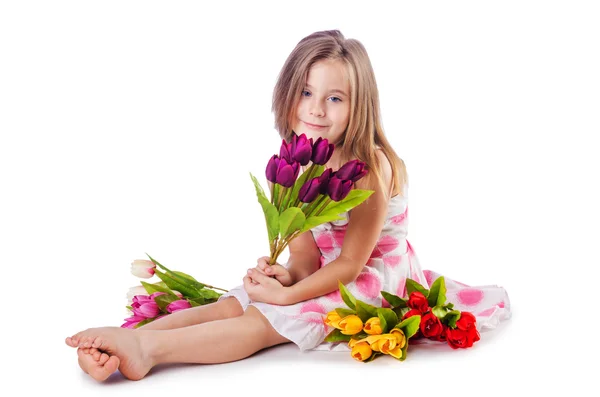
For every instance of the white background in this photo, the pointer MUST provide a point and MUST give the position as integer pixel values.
(131, 126)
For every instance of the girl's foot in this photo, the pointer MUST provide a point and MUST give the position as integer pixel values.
(97, 364)
(122, 347)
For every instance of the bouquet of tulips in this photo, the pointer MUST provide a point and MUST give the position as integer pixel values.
(176, 291)
(372, 331)
(300, 203)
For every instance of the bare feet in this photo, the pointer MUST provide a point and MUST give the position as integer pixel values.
(102, 351)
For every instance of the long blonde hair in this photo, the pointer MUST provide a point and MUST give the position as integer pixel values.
(364, 133)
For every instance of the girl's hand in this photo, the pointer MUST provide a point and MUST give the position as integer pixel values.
(279, 272)
(261, 288)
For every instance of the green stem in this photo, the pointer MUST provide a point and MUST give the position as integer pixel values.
(325, 204)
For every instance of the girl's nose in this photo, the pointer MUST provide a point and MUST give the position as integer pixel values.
(316, 109)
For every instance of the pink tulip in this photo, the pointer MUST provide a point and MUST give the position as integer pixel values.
(142, 268)
(130, 322)
(178, 305)
(146, 310)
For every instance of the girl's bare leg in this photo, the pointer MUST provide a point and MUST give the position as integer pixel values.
(92, 360)
(226, 308)
(135, 352)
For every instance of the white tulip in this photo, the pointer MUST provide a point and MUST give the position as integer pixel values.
(142, 268)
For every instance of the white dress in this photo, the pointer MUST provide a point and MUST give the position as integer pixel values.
(392, 261)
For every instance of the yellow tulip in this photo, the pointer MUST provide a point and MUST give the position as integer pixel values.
(396, 352)
(400, 337)
(333, 319)
(352, 342)
(351, 325)
(361, 351)
(373, 326)
(382, 343)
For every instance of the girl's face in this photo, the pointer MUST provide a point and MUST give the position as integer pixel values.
(324, 109)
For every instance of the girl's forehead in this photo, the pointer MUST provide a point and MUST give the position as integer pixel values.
(328, 75)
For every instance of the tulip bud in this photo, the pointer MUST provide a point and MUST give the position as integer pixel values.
(178, 305)
(338, 189)
(287, 173)
(353, 170)
(324, 180)
(322, 151)
(285, 152)
(301, 149)
(373, 326)
(143, 268)
(271, 170)
(133, 291)
(350, 325)
(132, 321)
(361, 351)
(146, 309)
(309, 191)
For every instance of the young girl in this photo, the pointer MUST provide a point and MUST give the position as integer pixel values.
(326, 89)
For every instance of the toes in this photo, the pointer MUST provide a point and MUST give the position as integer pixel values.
(95, 353)
(103, 358)
(112, 364)
(97, 343)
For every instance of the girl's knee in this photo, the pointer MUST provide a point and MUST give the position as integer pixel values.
(232, 307)
(268, 335)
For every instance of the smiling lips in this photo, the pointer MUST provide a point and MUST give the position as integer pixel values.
(314, 126)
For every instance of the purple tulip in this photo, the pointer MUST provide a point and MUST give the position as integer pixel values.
(324, 180)
(338, 189)
(322, 151)
(309, 191)
(353, 170)
(282, 172)
(178, 305)
(285, 151)
(301, 149)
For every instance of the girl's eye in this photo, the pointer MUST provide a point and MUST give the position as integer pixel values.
(333, 98)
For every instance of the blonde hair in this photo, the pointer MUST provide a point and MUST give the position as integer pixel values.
(364, 134)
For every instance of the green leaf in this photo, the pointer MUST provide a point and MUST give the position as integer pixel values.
(401, 311)
(412, 286)
(180, 277)
(314, 221)
(410, 326)
(365, 311)
(207, 293)
(290, 221)
(270, 211)
(353, 199)
(152, 288)
(189, 278)
(337, 336)
(199, 301)
(394, 300)
(173, 284)
(389, 317)
(344, 312)
(437, 293)
(163, 301)
(129, 308)
(348, 298)
(451, 318)
(317, 171)
(439, 311)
